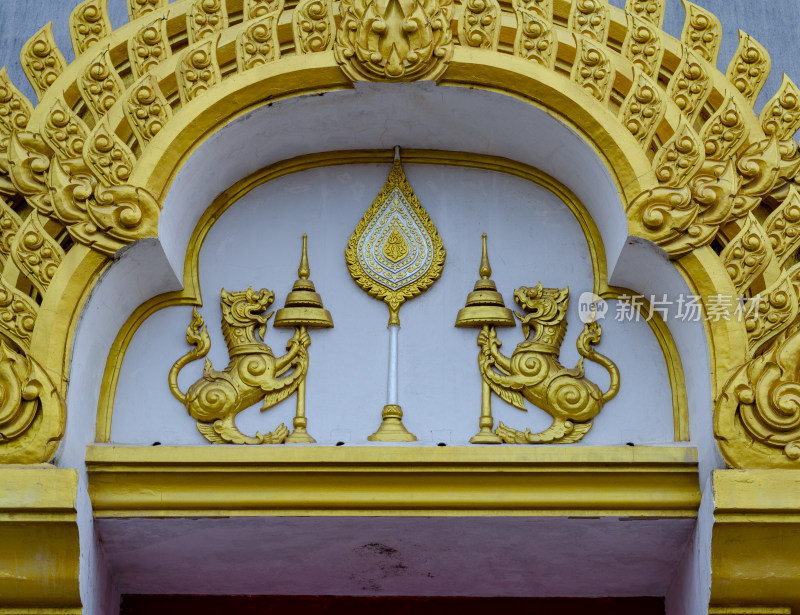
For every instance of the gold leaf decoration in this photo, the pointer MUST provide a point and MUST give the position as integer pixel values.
(9, 225)
(313, 25)
(650, 10)
(747, 254)
(783, 226)
(41, 60)
(690, 85)
(771, 311)
(137, 8)
(702, 32)
(679, 158)
(665, 216)
(643, 46)
(724, 131)
(15, 113)
(749, 68)
(36, 253)
(25, 392)
(146, 109)
(64, 131)
(536, 38)
(479, 24)
(100, 86)
(205, 18)
(149, 47)
(643, 108)
(198, 69)
(108, 156)
(29, 159)
(89, 24)
(758, 165)
(397, 52)
(17, 315)
(590, 18)
(781, 115)
(258, 43)
(592, 69)
(253, 9)
(395, 253)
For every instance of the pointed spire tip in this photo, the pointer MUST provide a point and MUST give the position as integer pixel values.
(486, 269)
(303, 272)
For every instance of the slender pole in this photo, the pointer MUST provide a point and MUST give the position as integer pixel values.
(485, 435)
(300, 434)
(392, 388)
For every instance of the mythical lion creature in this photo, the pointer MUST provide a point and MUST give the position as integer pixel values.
(252, 374)
(534, 372)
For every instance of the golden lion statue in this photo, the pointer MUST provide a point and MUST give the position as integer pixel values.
(533, 371)
(253, 373)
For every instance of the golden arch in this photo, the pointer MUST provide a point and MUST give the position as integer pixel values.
(86, 171)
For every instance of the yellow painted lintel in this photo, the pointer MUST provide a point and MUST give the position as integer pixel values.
(408, 481)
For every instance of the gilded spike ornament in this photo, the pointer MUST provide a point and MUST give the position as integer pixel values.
(254, 373)
(394, 255)
(485, 309)
(534, 373)
(303, 309)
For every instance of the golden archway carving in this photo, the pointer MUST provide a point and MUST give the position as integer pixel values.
(84, 172)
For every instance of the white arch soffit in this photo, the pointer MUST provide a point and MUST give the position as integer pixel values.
(417, 115)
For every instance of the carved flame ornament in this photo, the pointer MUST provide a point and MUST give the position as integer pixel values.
(395, 254)
(253, 374)
(534, 372)
(396, 40)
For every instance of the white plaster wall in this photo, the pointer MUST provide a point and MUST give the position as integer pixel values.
(533, 237)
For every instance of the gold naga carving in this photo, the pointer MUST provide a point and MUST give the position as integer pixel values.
(314, 26)
(479, 24)
(27, 395)
(89, 24)
(536, 38)
(254, 373)
(403, 40)
(42, 61)
(534, 373)
(258, 43)
(762, 397)
(149, 47)
(101, 86)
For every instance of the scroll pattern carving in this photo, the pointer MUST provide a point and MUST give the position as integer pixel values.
(206, 18)
(376, 42)
(650, 10)
(702, 32)
(100, 86)
(137, 8)
(253, 9)
(89, 24)
(746, 256)
(680, 158)
(9, 225)
(36, 253)
(258, 43)
(749, 68)
(643, 46)
(147, 109)
(783, 227)
(689, 86)
(724, 131)
(771, 311)
(313, 25)
(643, 108)
(64, 131)
(108, 156)
(590, 18)
(149, 47)
(42, 61)
(17, 315)
(15, 113)
(479, 24)
(198, 69)
(592, 70)
(781, 115)
(535, 39)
